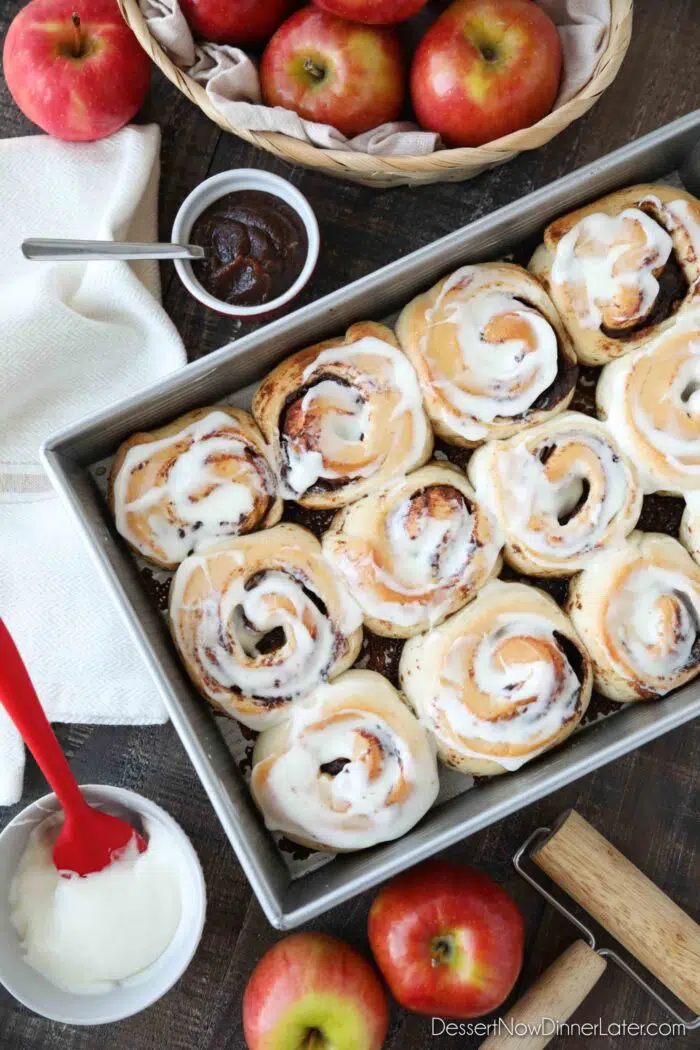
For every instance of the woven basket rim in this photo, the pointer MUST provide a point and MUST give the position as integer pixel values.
(467, 157)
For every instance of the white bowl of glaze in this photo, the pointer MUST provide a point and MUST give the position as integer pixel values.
(137, 992)
(212, 190)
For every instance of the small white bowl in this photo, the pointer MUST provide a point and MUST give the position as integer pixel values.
(212, 190)
(139, 991)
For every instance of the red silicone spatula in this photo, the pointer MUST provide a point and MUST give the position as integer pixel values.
(89, 838)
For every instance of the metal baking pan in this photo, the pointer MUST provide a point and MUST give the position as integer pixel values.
(288, 901)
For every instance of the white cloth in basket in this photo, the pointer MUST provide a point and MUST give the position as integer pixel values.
(231, 80)
(75, 337)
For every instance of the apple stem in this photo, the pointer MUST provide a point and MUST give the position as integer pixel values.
(77, 36)
(442, 950)
(315, 1040)
(313, 69)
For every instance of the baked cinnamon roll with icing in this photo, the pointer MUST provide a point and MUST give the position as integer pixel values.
(650, 402)
(350, 768)
(261, 621)
(620, 269)
(415, 552)
(689, 533)
(560, 492)
(501, 681)
(197, 481)
(638, 612)
(343, 417)
(491, 353)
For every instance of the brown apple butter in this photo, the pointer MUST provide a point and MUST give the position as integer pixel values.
(256, 247)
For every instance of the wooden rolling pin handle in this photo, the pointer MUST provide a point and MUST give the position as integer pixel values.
(553, 998)
(626, 903)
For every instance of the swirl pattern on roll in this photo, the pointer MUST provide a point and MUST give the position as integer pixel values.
(560, 492)
(650, 401)
(501, 681)
(620, 269)
(343, 418)
(195, 482)
(352, 767)
(638, 612)
(261, 621)
(491, 353)
(413, 553)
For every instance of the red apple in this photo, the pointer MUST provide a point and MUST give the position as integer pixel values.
(333, 71)
(448, 940)
(312, 991)
(484, 69)
(241, 22)
(75, 68)
(374, 12)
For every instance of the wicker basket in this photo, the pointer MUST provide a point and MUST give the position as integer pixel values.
(448, 165)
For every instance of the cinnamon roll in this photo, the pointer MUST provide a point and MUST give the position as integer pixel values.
(415, 552)
(343, 418)
(689, 534)
(620, 269)
(350, 768)
(560, 492)
(637, 610)
(491, 353)
(197, 481)
(260, 621)
(650, 401)
(501, 681)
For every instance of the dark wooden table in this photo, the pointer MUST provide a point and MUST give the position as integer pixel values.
(646, 803)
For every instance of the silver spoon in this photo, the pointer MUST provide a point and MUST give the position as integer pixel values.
(56, 250)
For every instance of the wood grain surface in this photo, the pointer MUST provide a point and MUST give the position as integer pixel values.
(646, 803)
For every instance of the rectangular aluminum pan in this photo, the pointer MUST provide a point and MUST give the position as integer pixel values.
(66, 456)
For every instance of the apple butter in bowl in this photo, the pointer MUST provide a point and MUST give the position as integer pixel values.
(256, 247)
(260, 237)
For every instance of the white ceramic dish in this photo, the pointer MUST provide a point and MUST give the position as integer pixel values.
(228, 182)
(139, 991)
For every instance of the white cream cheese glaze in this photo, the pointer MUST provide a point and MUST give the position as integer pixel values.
(610, 260)
(213, 482)
(87, 934)
(272, 587)
(650, 401)
(542, 701)
(638, 612)
(498, 377)
(495, 683)
(491, 352)
(351, 768)
(561, 492)
(351, 418)
(415, 551)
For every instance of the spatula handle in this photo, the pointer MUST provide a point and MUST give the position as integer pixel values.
(629, 905)
(554, 997)
(18, 697)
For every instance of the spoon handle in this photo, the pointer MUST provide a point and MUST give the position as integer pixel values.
(18, 697)
(47, 249)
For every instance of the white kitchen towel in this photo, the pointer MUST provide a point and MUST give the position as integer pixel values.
(74, 338)
(230, 77)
